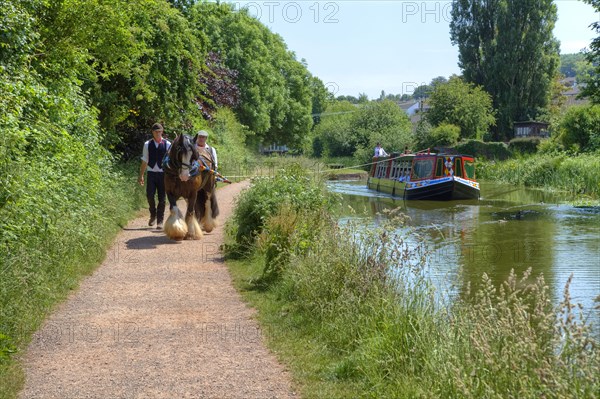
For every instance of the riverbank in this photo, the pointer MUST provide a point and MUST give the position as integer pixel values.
(342, 323)
(347, 174)
(157, 319)
(579, 174)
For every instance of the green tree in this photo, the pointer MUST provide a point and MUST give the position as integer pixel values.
(461, 104)
(183, 5)
(438, 80)
(275, 88)
(320, 98)
(568, 62)
(592, 87)
(580, 128)
(350, 99)
(331, 137)
(379, 121)
(584, 71)
(445, 134)
(422, 91)
(507, 46)
(139, 61)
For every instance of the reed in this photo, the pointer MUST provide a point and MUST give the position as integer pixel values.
(577, 174)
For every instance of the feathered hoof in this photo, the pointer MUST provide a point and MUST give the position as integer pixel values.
(194, 232)
(209, 224)
(175, 227)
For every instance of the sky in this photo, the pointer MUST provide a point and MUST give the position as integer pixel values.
(357, 46)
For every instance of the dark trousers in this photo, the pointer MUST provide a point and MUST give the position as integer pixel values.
(156, 183)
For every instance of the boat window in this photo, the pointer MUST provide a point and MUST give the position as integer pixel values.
(381, 169)
(422, 169)
(396, 169)
(469, 169)
(458, 171)
(439, 168)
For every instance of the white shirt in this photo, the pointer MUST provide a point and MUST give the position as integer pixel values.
(158, 166)
(380, 152)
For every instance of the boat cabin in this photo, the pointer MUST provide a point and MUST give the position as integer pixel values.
(425, 176)
(437, 166)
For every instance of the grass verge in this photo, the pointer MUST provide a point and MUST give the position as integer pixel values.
(311, 363)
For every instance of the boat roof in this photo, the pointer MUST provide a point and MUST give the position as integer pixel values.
(431, 154)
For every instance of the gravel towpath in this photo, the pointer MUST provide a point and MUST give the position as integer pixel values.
(158, 319)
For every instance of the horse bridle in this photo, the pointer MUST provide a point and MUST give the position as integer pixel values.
(175, 164)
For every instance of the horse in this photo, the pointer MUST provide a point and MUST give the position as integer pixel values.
(182, 179)
(207, 207)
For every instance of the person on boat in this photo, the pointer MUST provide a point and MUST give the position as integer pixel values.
(379, 151)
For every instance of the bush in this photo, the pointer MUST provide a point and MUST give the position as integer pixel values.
(255, 206)
(524, 145)
(479, 149)
(62, 200)
(229, 139)
(445, 135)
(550, 146)
(580, 128)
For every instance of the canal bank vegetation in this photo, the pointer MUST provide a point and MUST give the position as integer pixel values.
(578, 174)
(358, 317)
(82, 82)
(568, 161)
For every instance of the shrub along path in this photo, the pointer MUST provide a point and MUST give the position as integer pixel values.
(158, 319)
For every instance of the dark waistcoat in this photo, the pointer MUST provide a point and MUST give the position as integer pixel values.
(156, 155)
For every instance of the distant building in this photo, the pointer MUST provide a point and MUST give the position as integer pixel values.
(410, 107)
(415, 109)
(273, 149)
(531, 129)
(572, 92)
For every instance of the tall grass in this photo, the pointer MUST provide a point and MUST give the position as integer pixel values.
(577, 174)
(369, 318)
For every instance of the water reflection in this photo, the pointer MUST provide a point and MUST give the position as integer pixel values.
(507, 229)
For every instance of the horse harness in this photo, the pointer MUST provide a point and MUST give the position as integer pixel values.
(171, 166)
(206, 157)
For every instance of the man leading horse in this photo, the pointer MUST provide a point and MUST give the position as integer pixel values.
(152, 159)
(207, 208)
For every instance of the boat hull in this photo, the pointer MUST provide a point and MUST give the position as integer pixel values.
(445, 189)
(388, 186)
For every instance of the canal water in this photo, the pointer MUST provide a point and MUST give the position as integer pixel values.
(508, 228)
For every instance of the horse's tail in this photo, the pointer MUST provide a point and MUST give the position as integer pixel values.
(214, 205)
(200, 204)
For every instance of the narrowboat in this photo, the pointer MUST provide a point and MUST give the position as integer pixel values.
(425, 176)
